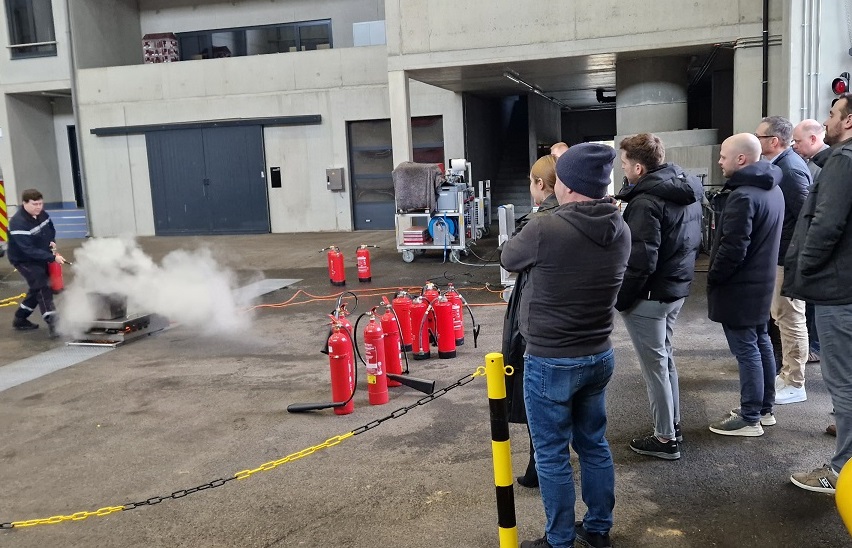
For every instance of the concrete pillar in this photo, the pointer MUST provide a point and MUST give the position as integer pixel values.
(651, 95)
(400, 116)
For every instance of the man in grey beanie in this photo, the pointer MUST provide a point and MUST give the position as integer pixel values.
(575, 260)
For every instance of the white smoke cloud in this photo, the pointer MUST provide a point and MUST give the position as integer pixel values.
(189, 287)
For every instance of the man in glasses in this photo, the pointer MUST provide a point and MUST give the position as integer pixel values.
(819, 270)
(775, 134)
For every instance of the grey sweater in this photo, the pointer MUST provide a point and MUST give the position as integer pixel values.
(575, 260)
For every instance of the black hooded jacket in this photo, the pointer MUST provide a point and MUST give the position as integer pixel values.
(664, 215)
(575, 258)
(741, 278)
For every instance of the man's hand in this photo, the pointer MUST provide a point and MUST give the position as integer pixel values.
(59, 259)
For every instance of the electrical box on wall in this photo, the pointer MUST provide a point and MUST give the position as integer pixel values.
(334, 179)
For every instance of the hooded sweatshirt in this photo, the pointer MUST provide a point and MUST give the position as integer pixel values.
(575, 260)
(741, 278)
(664, 215)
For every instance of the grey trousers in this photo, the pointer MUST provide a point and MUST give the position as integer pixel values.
(650, 324)
(834, 325)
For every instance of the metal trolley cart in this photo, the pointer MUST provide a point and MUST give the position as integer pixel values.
(451, 226)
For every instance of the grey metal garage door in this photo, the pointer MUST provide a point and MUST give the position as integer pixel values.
(208, 181)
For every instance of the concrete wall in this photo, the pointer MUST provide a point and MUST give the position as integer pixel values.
(425, 33)
(107, 33)
(30, 134)
(339, 84)
(184, 16)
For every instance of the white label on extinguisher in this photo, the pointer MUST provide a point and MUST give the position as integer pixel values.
(374, 366)
(362, 264)
(457, 316)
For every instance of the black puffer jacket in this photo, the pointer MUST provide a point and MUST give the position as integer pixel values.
(795, 181)
(664, 215)
(743, 262)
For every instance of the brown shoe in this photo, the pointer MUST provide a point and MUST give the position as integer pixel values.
(831, 430)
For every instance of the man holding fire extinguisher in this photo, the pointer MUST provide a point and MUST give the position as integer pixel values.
(31, 249)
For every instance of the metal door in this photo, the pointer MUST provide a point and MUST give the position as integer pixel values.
(176, 166)
(208, 181)
(236, 180)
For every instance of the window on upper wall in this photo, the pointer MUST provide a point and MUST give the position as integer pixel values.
(238, 42)
(31, 32)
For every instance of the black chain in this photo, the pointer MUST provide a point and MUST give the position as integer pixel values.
(422, 401)
(178, 494)
(222, 481)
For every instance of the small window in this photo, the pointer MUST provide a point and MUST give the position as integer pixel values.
(31, 32)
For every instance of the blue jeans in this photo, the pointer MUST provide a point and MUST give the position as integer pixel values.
(753, 350)
(565, 406)
(835, 332)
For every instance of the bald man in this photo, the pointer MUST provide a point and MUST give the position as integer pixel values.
(808, 141)
(741, 278)
(558, 149)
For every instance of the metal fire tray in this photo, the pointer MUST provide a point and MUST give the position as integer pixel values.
(116, 332)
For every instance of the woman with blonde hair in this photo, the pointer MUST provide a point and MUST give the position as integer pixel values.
(542, 181)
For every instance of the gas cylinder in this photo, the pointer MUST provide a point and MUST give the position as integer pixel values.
(431, 293)
(336, 271)
(402, 306)
(54, 274)
(362, 258)
(458, 313)
(374, 346)
(420, 334)
(444, 320)
(342, 363)
(393, 350)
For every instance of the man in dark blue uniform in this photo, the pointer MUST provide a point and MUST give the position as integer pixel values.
(31, 248)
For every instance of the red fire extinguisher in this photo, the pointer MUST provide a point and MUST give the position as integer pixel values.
(420, 334)
(446, 335)
(458, 313)
(374, 345)
(54, 274)
(336, 271)
(362, 258)
(393, 350)
(341, 361)
(402, 306)
(431, 294)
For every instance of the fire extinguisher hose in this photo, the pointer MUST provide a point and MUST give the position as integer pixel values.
(304, 407)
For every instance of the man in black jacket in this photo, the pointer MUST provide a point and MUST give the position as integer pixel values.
(741, 278)
(818, 270)
(575, 260)
(664, 215)
(775, 134)
(31, 248)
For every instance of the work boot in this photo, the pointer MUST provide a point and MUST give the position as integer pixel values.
(52, 322)
(23, 324)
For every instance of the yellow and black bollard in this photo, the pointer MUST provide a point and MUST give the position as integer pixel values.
(501, 449)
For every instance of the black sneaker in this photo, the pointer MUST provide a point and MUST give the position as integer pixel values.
(590, 540)
(678, 435)
(651, 446)
(23, 324)
(540, 543)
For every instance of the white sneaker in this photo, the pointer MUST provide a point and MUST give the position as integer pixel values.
(790, 394)
(779, 383)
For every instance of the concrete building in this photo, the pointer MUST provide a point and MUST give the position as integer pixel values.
(270, 94)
